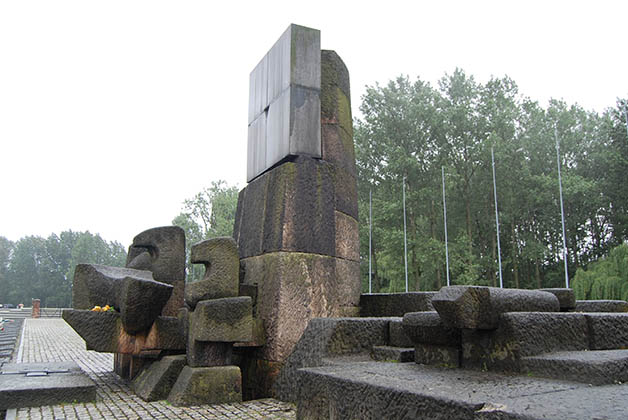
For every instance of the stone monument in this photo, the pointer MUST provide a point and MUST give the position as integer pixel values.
(296, 222)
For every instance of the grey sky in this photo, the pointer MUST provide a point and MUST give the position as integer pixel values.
(112, 113)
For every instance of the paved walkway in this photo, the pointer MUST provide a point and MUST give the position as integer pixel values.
(52, 340)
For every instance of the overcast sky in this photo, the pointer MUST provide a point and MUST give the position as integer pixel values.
(113, 112)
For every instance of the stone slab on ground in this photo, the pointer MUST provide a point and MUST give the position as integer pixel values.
(601, 306)
(392, 354)
(207, 385)
(403, 391)
(27, 384)
(607, 331)
(592, 367)
(155, 382)
(395, 304)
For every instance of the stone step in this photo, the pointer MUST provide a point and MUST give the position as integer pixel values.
(392, 354)
(375, 390)
(592, 367)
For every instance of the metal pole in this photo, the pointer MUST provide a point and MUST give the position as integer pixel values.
(626, 115)
(499, 251)
(370, 237)
(405, 240)
(445, 221)
(562, 209)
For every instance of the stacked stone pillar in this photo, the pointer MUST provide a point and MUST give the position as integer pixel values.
(296, 222)
(215, 317)
(36, 308)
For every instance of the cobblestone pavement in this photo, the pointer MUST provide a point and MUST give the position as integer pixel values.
(52, 340)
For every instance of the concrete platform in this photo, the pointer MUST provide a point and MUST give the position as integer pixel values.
(36, 384)
(375, 390)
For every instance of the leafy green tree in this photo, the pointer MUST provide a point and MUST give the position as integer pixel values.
(210, 213)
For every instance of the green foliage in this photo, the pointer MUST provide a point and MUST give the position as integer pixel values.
(606, 278)
(209, 214)
(34, 267)
(412, 129)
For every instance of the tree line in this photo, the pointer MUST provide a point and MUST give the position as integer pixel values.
(411, 130)
(43, 268)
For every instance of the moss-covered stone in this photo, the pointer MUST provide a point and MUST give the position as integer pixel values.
(207, 385)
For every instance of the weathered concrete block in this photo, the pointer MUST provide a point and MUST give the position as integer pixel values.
(155, 382)
(160, 250)
(140, 302)
(336, 95)
(226, 320)
(395, 304)
(607, 331)
(397, 336)
(345, 192)
(324, 339)
(222, 267)
(437, 355)
(427, 328)
(521, 300)
(66, 383)
(103, 332)
(478, 307)
(566, 297)
(207, 385)
(295, 287)
(203, 354)
(98, 284)
(601, 306)
(523, 334)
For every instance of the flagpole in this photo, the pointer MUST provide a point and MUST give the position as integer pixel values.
(499, 251)
(405, 240)
(370, 237)
(562, 209)
(445, 222)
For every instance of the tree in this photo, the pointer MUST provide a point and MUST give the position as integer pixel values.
(210, 213)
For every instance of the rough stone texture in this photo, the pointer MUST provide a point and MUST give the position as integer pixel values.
(523, 334)
(478, 307)
(607, 331)
(397, 336)
(591, 367)
(165, 247)
(395, 304)
(345, 191)
(140, 302)
(566, 297)
(207, 385)
(258, 335)
(392, 354)
(66, 383)
(427, 328)
(437, 355)
(203, 354)
(406, 391)
(521, 300)
(226, 320)
(326, 339)
(98, 284)
(337, 123)
(155, 382)
(294, 287)
(347, 237)
(601, 306)
(222, 267)
(465, 307)
(103, 332)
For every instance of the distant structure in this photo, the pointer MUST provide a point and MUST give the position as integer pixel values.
(296, 223)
